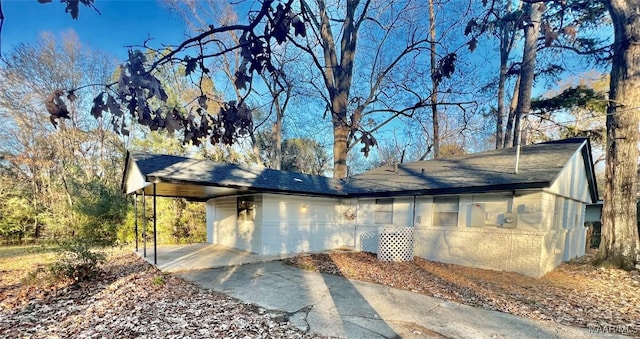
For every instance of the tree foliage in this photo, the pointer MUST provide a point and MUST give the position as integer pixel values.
(564, 29)
(58, 182)
(304, 156)
(139, 93)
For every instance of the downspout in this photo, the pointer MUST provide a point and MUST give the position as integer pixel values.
(519, 131)
(414, 211)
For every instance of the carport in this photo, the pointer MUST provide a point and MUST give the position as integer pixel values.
(155, 175)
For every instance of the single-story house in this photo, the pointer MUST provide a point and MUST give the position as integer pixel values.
(475, 209)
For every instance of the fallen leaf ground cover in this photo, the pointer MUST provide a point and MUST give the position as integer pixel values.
(576, 293)
(129, 298)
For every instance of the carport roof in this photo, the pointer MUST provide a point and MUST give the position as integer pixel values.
(203, 179)
(540, 166)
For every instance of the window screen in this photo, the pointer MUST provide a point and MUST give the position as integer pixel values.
(445, 211)
(384, 211)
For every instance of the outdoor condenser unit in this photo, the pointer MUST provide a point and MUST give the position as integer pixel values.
(510, 220)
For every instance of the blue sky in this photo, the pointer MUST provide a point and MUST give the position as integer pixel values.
(121, 23)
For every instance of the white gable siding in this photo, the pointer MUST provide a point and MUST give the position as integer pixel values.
(572, 181)
(135, 179)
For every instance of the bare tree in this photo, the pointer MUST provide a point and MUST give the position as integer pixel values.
(620, 243)
(388, 36)
(198, 15)
(55, 164)
(527, 67)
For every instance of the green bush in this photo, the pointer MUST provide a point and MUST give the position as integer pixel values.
(99, 211)
(76, 260)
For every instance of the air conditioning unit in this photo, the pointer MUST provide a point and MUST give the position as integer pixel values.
(510, 220)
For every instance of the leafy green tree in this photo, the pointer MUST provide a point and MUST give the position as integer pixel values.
(55, 167)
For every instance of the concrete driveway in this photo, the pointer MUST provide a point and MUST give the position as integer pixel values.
(334, 306)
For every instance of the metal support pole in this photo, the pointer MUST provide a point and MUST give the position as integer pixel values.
(144, 224)
(135, 217)
(155, 238)
(519, 137)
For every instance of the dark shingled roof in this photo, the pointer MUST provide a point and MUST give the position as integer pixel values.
(181, 170)
(540, 165)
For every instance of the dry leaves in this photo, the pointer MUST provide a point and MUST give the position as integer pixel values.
(575, 293)
(130, 299)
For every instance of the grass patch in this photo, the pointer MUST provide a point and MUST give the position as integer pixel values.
(159, 280)
(16, 251)
(19, 258)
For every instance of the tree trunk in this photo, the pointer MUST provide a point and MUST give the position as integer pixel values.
(527, 69)
(506, 43)
(434, 90)
(341, 131)
(620, 244)
(276, 161)
(500, 111)
(337, 76)
(508, 140)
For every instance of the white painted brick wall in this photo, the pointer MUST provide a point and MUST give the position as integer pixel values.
(528, 252)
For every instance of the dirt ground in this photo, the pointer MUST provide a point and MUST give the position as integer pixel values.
(130, 298)
(575, 293)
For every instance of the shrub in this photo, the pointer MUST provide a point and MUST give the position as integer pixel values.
(76, 260)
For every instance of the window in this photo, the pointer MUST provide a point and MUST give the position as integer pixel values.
(384, 211)
(246, 208)
(445, 211)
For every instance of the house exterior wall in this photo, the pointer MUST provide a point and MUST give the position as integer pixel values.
(294, 224)
(368, 229)
(210, 210)
(547, 228)
(536, 245)
(224, 228)
(488, 243)
(571, 181)
(572, 196)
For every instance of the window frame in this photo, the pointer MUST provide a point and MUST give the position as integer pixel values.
(245, 208)
(444, 208)
(383, 214)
